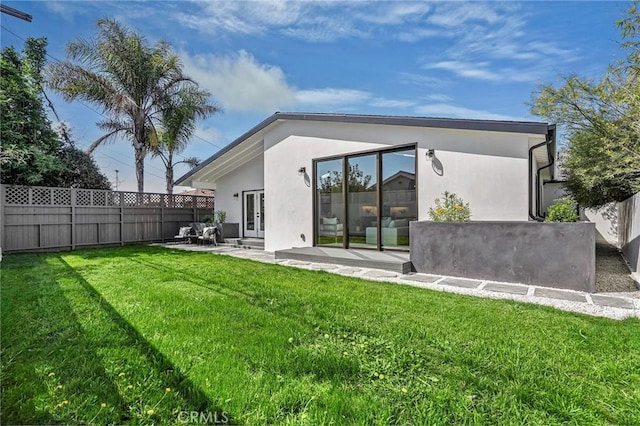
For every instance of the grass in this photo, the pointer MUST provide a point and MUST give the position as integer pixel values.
(149, 335)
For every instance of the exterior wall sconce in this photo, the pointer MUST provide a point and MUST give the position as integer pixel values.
(235, 195)
(302, 170)
(430, 154)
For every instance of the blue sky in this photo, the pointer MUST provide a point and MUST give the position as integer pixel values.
(446, 59)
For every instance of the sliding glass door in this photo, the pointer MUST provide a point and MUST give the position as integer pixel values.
(398, 197)
(366, 200)
(362, 201)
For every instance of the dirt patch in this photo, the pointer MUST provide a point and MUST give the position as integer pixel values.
(612, 273)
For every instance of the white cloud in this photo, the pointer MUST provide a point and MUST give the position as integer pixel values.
(453, 111)
(64, 9)
(395, 13)
(391, 103)
(464, 69)
(488, 72)
(458, 13)
(240, 83)
(332, 97)
(438, 97)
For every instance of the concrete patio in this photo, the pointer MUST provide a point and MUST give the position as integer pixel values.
(610, 305)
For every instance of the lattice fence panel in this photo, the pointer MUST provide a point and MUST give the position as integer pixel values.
(17, 195)
(83, 197)
(61, 197)
(130, 199)
(113, 199)
(201, 202)
(41, 196)
(155, 200)
(99, 198)
(182, 201)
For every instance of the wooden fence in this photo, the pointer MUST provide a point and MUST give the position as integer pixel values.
(39, 218)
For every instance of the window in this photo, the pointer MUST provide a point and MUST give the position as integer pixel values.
(373, 206)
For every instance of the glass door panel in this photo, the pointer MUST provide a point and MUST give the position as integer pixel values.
(329, 203)
(261, 215)
(362, 201)
(398, 197)
(254, 214)
(250, 214)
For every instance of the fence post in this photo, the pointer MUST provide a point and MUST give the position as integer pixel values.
(121, 218)
(73, 218)
(3, 200)
(195, 209)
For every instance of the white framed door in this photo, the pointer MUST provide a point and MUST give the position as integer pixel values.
(253, 214)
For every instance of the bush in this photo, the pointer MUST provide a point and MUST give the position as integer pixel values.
(451, 209)
(562, 210)
(220, 216)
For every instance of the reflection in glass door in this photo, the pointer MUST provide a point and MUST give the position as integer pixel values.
(329, 203)
(362, 201)
(398, 197)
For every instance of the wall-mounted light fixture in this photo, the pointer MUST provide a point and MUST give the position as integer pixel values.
(430, 154)
(302, 170)
(235, 195)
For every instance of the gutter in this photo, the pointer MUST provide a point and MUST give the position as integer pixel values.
(549, 140)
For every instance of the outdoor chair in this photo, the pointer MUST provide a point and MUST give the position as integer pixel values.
(184, 233)
(209, 235)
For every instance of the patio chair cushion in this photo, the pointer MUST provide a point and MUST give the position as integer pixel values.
(184, 231)
(209, 232)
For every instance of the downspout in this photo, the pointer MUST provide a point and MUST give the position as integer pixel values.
(549, 139)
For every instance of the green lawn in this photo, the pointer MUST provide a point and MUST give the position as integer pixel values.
(148, 335)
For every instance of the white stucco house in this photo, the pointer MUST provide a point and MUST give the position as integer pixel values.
(284, 179)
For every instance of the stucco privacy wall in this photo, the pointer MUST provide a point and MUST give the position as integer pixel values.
(488, 169)
(246, 178)
(558, 255)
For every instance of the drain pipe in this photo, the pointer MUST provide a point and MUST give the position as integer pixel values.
(550, 138)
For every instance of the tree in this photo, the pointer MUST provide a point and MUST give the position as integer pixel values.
(178, 125)
(29, 145)
(129, 79)
(32, 151)
(602, 123)
(81, 170)
(357, 181)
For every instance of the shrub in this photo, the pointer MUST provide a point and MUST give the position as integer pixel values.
(450, 209)
(220, 216)
(562, 210)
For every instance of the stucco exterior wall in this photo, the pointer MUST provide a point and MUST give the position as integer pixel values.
(487, 169)
(606, 220)
(246, 178)
(629, 232)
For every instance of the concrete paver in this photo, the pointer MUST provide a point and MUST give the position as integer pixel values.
(324, 266)
(349, 271)
(377, 273)
(423, 278)
(560, 294)
(615, 302)
(507, 288)
(461, 282)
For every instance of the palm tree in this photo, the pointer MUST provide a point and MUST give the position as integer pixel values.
(178, 125)
(129, 79)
